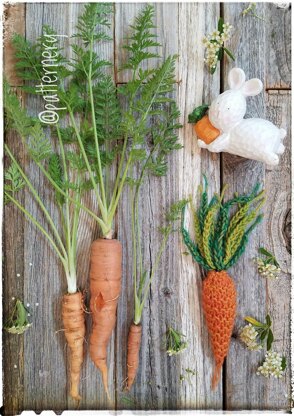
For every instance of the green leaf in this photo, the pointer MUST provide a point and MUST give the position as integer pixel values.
(263, 334)
(212, 70)
(254, 322)
(94, 15)
(141, 40)
(13, 180)
(18, 322)
(263, 251)
(198, 113)
(229, 53)
(39, 146)
(220, 54)
(270, 339)
(284, 364)
(268, 320)
(56, 173)
(220, 25)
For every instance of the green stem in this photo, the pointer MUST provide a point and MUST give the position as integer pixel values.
(119, 170)
(95, 127)
(39, 226)
(83, 207)
(139, 309)
(66, 223)
(99, 200)
(112, 208)
(38, 199)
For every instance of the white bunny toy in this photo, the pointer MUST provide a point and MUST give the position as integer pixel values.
(252, 138)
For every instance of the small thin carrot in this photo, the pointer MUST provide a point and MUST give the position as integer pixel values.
(105, 287)
(134, 343)
(74, 330)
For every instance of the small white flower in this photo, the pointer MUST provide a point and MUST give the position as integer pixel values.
(15, 366)
(272, 366)
(248, 335)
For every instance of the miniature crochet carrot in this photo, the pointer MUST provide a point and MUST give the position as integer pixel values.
(220, 239)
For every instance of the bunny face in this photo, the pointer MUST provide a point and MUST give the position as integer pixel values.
(227, 110)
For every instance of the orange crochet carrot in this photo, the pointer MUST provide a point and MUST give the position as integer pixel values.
(220, 239)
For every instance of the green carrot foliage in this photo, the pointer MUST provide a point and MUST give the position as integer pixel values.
(221, 237)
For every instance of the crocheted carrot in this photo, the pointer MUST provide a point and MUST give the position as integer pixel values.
(220, 239)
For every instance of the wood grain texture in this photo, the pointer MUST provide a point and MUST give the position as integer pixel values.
(278, 51)
(195, 87)
(14, 22)
(262, 49)
(158, 381)
(243, 389)
(13, 270)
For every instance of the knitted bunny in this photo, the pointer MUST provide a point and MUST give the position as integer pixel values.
(253, 138)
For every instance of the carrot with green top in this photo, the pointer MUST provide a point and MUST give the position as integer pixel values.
(220, 240)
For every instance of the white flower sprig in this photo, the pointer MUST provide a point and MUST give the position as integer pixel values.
(214, 43)
(249, 336)
(267, 266)
(18, 321)
(255, 333)
(251, 10)
(174, 342)
(274, 365)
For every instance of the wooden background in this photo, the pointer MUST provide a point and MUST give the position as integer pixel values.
(35, 364)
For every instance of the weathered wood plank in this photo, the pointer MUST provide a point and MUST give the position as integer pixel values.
(14, 23)
(91, 384)
(154, 387)
(196, 86)
(241, 175)
(278, 185)
(13, 270)
(44, 383)
(158, 381)
(13, 239)
(278, 38)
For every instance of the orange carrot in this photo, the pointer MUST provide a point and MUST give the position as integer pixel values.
(219, 300)
(74, 329)
(105, 287)
(205, 130)
(134, 344)
(219, 242)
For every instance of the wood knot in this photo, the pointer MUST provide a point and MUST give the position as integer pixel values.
(287, 231)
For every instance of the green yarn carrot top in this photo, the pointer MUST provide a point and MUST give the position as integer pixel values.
(221, 233)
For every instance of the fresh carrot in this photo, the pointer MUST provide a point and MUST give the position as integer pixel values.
(134, 343)
(105, 287)
(144, 278)
(74, 330)
(219, 242)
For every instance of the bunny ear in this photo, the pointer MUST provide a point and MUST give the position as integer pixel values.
(236, 78)
(252, 87)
